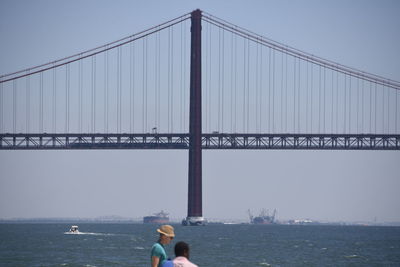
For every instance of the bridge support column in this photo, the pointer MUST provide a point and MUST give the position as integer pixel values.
(195, 212)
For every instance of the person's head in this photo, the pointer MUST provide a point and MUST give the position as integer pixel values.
(166, 233)
(182, 249)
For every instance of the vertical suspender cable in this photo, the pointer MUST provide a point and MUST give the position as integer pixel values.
(28, 103)
(307, 63)
(388, 111)
(244, 84)
(105, 91)
(273, 91)
(383, 109)
(261, 87)
(345, 103)
(257, 89)
(159, 81)
(299, 97)
(324, 119)
(185, 88)
(231, 87)
(376, 104)
(41, 104)
(1, 109)
(370, 107)
(286, 92)
(319, 101)
(337, 102)
(205, 84)
(81, 126)
(248, 87)
(181, 82)
(281, 130)
(143, 84)
(93, 111)
(146, 87)
(66, 97)
(106, 100)
(362, 105)
(396, 94)
(294, 94)
(54, 101)
(210, 80)
(91, 97)
(311, 97)
(222, 80)
(92, 87)
(132, 84)
(118, 88)
(219, 80)
(332, 96)
(119, 92)
(358, 105)
(169, 80)
(108, 91)
(172, 78)
(80, 96)
(269, 90)
(14, 105)
(183, 79)
(350, 104)
(236, 74)
(170, 94)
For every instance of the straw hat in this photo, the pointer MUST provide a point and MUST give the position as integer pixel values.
(167, 230)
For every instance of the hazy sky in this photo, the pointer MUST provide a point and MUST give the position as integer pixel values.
(321, 185)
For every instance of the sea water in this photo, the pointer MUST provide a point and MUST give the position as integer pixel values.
(98, 244)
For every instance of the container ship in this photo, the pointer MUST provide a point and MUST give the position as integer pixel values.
(263, 218)
(158, 218)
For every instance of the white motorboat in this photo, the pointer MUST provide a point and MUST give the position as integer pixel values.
(74, 229)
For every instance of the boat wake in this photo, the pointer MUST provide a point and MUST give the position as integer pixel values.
(87, 233)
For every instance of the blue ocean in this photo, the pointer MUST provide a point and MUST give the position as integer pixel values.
(104, 244)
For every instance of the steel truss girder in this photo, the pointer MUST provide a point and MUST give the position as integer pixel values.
(209, 141)
(302, 141)
(94, 141)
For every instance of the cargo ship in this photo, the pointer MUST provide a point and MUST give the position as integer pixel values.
(158, 218)
(263, 218)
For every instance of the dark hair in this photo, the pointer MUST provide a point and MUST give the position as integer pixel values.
(181, 248)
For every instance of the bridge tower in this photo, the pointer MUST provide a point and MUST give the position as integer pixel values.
(195, 211)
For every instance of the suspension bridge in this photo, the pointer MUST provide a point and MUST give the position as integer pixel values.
(197, 82)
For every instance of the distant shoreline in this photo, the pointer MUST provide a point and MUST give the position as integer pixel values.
(68, 220)
(139, 221)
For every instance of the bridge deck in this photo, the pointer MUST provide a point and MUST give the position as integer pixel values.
(209, 141)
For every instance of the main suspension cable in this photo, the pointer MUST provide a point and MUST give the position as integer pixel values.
(92, 52)
(300, 54)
